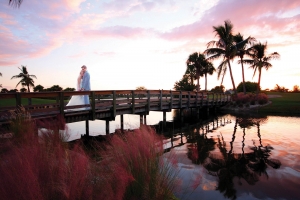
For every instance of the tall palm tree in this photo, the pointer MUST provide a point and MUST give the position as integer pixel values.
(243, 50)
(26, 79)
(190, 72)
(260, 59)
(223, 47)
(196, 60)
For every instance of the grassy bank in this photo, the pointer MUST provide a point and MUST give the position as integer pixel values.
(282, 104)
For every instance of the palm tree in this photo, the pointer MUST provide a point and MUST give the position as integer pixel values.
(197, 61)
(26, 79)
(243, 50)
(0, 84)
(15, 3)
(224, 47)
(260, 59)
(208, 68)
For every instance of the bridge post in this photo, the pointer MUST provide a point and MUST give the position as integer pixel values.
(148, 101)
(122, 123)
(18, 99)
(93, 105)
(145, 119)
(87, 128)
(141, 119)
(132, 102)
(164, 119)
(180, 99)
(61, 102)
(107, 127)
(114, 104)
(171, 100)
(160, 99)
(189, 98)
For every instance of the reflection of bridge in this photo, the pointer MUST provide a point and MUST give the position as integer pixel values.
(105, 105)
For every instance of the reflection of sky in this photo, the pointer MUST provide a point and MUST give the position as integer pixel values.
(97, 127)
(282, 133)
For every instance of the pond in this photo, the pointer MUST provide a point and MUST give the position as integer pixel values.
(245, 157)
(227, 156)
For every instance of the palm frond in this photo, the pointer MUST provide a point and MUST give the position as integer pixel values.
(15, 3)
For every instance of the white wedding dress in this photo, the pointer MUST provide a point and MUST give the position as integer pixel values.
(76, 99)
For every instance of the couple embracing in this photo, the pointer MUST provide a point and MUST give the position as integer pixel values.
(83, 84)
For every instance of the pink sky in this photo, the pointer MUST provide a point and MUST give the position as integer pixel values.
(131, 43)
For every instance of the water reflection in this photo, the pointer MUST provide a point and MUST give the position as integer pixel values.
(227, 165)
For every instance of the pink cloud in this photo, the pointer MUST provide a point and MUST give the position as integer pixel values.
(116, 32)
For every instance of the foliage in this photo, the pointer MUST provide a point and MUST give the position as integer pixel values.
(69, 89)
(250, 98)
(184, 84)
(13, 90)
(38, 88)
(26, 78)
(249, 86)
(141, 88)
(54, 88)
(277, 88)
(4, 90)
(23, 90)
(43, 166)
(218, 89)
(296, 88)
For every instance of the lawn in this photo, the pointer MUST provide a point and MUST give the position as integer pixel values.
(282, 103)
(12, 102)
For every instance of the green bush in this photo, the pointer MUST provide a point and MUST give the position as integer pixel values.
(250, 87)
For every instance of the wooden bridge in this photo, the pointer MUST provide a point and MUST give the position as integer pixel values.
(106, 104)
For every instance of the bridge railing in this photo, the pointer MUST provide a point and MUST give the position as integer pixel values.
(101, 100)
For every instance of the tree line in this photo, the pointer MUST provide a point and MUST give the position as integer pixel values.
(227, 47)
(26, 80)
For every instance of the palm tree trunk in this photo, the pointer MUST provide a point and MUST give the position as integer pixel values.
(258, 84)
(244, 87)
(232, 80)
(29, 99)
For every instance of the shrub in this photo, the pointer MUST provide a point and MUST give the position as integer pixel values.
(250, 87)
(132, 165)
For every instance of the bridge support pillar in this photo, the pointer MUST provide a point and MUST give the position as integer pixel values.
(107, 127)
(122, 123)
(141, 119)
(164, 119)
(87, 128)
(145, 119)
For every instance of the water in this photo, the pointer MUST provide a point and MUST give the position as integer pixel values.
(260, 160)
(228, 157)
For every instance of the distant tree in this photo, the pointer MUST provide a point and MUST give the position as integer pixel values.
(185, 84)
(69, 89)
(13, 90)
(0, 84)
(218, 89)
(249, 86)
(55, 88)
(4, 90)
(38, 88)
(296, 88)
(23, 90)
(141, 88)
(208, 68)
(278, 88)
(26, 78)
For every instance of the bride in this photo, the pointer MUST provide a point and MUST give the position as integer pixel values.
(77, 99)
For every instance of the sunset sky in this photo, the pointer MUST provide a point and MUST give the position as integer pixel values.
(131, 43)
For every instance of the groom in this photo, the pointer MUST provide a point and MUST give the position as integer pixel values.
(85, 86)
